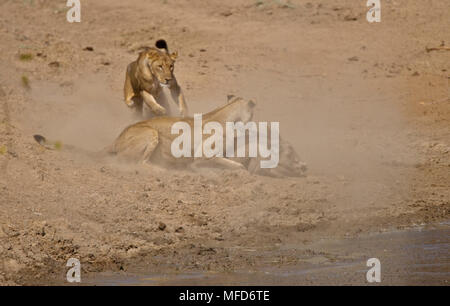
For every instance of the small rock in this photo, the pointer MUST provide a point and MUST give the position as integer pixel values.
(353, 59)
(54, 64)
(162, 226)
(350, 18)
(88, 49)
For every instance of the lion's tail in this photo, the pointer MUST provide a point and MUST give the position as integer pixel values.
(48, 144)
(57, 145)
(162, 44)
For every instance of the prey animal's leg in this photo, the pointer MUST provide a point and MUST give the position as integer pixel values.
(177, 95)
(151, 102)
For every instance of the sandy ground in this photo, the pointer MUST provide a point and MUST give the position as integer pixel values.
(365, 106)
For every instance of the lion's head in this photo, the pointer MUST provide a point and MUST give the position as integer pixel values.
(158, 63)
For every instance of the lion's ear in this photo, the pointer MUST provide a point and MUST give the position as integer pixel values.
(152, 54)
(174, 55)
(230, 97)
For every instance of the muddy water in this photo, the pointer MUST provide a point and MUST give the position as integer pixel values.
(418, 256)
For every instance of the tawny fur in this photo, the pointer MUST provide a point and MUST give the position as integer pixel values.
(150, 141)
(145, 78)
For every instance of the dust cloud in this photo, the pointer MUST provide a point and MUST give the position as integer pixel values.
(84, 113)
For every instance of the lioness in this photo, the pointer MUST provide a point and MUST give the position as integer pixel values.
(151, 140)
(146, 77)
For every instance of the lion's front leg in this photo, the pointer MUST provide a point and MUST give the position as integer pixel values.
(177, 95)
(128, 90)
(151, 102)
